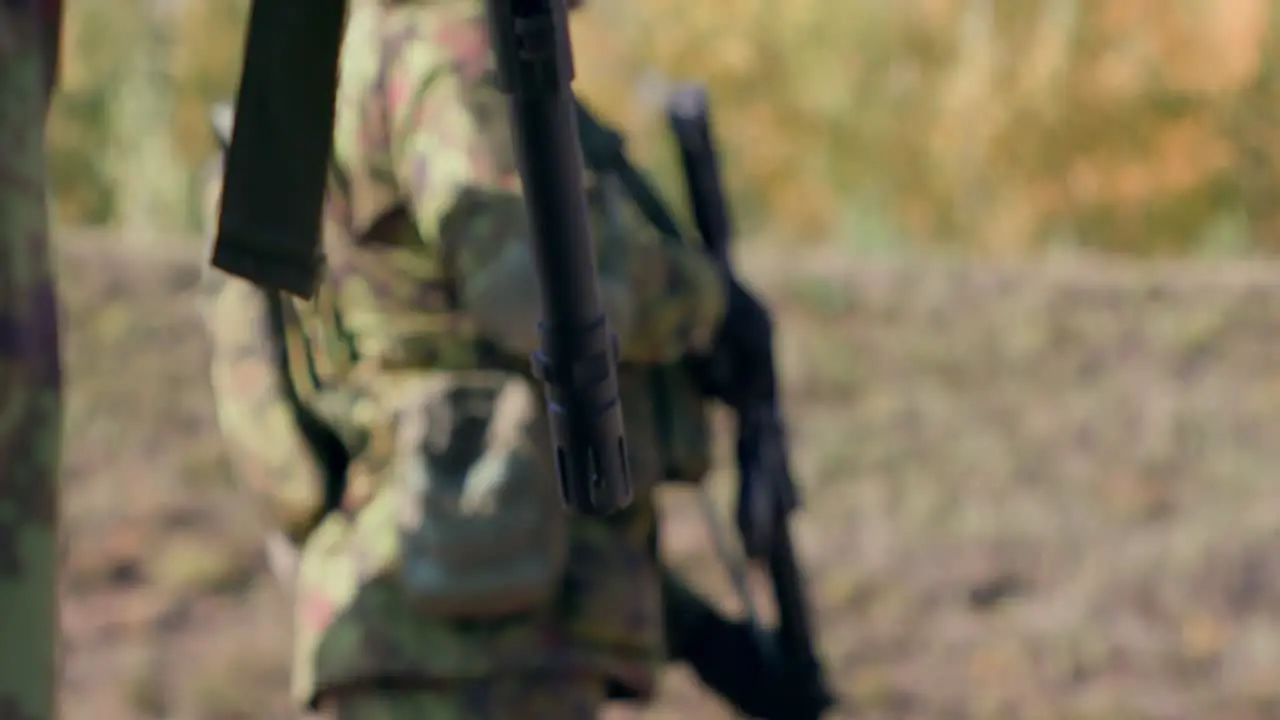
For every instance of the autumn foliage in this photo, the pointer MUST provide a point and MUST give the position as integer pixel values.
(997, 126)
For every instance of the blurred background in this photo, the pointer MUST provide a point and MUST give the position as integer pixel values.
(987, 125)
(1019, 255)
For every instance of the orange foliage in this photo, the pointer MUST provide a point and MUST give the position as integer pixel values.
(995, 125)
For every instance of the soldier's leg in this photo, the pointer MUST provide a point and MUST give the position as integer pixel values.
(30, 399)
(520, 697)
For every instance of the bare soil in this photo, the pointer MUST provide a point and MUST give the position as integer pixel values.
(1034, 492)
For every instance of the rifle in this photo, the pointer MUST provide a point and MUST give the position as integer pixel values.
(762, 449)
(275, 181)
(578, 362)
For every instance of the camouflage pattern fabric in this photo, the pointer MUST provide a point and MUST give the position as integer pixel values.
(433, 264)
(30, 376)
(267, 449)
(265, 444)
(608, 569)
(419, 119)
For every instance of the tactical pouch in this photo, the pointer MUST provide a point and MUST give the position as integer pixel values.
(481, 527)
(679, 408)
(684, 432)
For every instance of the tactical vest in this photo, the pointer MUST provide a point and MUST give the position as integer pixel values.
(317, 352)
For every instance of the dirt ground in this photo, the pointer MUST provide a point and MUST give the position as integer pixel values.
(1035, 492)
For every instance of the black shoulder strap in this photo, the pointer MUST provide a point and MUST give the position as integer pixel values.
(603, 152)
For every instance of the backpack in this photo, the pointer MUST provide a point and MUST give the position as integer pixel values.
(479, 529)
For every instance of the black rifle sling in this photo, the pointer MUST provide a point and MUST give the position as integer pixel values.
(324, 443)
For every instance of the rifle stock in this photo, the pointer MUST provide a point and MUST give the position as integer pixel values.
(762, 449)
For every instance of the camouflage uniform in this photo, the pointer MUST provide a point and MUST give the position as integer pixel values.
(415, 352)
(30, 378)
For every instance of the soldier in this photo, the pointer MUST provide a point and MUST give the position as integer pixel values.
(290, 461)
(30, 375)
(437, 576)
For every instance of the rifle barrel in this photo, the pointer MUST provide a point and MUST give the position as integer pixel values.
(578, 362)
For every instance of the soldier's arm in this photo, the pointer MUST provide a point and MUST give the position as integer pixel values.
(447, 134)
(267, 449)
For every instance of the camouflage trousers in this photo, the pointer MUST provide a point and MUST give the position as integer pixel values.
(30, 400)
(534, 697)
(527, 697)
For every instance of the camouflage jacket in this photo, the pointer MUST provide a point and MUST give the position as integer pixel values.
(30, 372)
(429, 272)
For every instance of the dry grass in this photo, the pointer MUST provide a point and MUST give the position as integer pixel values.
(995, 125)
(1035, 491)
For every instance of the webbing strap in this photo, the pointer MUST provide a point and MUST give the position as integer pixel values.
(602, 150)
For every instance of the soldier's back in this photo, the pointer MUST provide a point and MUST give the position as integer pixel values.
(453, 561)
